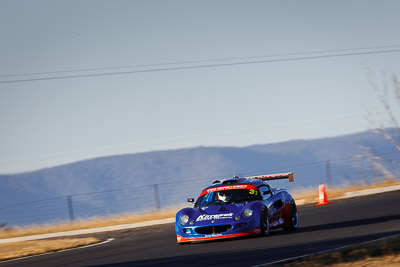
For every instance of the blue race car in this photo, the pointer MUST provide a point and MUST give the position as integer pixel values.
(238, 207)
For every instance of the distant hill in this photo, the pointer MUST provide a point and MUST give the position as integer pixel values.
(178, 174)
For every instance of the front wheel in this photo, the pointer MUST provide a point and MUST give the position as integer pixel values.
(264, 222)
(294, 218)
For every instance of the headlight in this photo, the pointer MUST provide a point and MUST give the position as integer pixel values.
(247, 213)
(183, 219)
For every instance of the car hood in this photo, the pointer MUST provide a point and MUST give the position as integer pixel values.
(220, 213)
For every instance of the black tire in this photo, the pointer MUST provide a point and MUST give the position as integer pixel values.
(294, 219)
(264, 222)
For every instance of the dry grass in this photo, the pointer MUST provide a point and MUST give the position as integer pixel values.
(310, 194)
(379, 253)
(92, 222)
(390, 260)
(28, 248)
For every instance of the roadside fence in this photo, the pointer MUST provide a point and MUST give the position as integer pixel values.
(154, 197)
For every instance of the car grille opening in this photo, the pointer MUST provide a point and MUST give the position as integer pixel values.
(213, 229)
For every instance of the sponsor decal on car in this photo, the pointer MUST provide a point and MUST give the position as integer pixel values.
(213, 235)
(257, 230)
(206, 217)
(280, 221)
(274, 223)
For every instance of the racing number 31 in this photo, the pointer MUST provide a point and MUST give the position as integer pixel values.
(253, 192)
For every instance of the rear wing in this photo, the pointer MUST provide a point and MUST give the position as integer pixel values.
(277, 176)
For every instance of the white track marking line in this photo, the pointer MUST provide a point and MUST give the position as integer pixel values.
(87, 246)
(58, 251)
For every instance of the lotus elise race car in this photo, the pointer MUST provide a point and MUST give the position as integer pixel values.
(238, 207)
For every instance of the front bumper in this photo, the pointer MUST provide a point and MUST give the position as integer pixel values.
(219, 231)
(181, 239)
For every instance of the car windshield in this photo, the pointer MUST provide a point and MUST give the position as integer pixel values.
(227, 197)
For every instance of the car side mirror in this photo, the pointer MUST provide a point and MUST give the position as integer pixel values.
(190, 200)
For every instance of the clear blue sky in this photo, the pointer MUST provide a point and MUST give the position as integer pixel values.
(50, 122)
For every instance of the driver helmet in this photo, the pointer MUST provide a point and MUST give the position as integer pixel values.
(224, 196)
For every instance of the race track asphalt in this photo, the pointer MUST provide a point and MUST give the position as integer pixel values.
(340, 223)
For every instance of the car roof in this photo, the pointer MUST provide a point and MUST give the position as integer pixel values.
(237, 181)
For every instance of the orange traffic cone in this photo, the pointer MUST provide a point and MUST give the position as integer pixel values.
(322, 198)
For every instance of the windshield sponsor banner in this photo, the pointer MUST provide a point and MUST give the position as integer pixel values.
(222, 216)
(228, 187)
